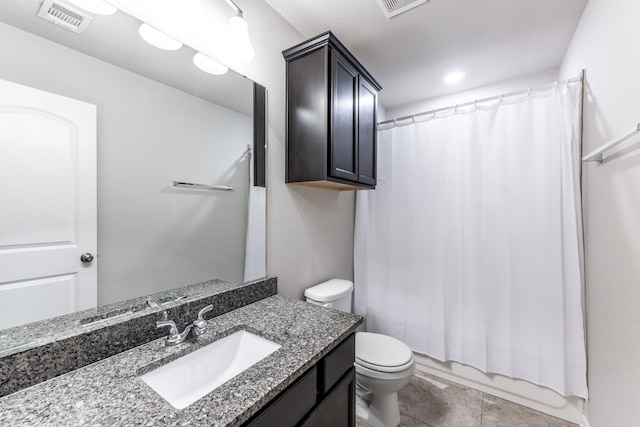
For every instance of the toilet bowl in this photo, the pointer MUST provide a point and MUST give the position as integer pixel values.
(383, 364)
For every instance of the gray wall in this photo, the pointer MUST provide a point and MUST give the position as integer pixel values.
(606, 45)
(150, 237)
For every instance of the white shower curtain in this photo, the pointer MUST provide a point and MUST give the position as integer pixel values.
(470, 247)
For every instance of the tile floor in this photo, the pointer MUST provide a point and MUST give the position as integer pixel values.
(428, 401)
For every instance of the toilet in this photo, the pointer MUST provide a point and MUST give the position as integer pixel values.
(383, 364)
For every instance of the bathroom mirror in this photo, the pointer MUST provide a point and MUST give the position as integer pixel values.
(160, 119)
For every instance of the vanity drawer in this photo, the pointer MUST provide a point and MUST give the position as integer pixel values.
(333, 366)
(290, 406)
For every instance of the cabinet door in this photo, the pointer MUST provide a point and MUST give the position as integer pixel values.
(343, 148)
(335, 364)
(290, 406)
(338, 408)
(367, 104)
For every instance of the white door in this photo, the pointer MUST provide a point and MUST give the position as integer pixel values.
(47, 205)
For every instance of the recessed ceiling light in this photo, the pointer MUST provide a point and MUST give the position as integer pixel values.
(98, 7)
(157, 38)
(453, 77)
(209, 65)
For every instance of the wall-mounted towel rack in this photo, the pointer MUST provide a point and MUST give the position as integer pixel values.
(181, 184)
(596, 155)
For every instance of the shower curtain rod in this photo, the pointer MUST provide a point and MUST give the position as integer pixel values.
(410, 119)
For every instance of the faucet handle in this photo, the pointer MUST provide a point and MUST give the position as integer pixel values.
(171, 324)
(204, 311)
(153, 303)
(174, 337)
(201, 324)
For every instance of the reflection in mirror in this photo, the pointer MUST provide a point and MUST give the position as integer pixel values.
(159, 119)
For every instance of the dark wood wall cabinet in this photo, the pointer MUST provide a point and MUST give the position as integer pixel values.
(323, 396)
(331, 117)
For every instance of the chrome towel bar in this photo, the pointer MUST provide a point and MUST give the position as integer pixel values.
(180, 184)
(596, 155)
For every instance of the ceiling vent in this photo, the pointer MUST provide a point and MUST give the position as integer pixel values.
(64, 16)
(392, 8)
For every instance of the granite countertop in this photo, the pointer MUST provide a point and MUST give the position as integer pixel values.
(110, 392)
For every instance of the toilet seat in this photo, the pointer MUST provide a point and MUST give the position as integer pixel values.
(381, 375)
(382, 353)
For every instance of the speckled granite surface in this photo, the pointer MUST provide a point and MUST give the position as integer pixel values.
(30, 362)
(111, 392)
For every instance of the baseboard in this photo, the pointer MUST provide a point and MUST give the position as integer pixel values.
(518, 391)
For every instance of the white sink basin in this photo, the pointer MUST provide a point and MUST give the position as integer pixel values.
(187, 379)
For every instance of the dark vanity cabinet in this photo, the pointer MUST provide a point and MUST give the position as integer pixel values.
(323, 396)
(331, 117)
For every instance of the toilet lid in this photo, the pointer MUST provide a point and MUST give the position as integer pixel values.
(382, 352)
(331, 290)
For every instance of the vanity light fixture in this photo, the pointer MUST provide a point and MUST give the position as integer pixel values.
(99, 7)
(157, 38)
(209, 65)
(238, 43)
(454, 77)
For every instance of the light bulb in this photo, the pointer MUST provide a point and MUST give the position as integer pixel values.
(239, 47)
(209, 65)
(157, 38)
(98, 7)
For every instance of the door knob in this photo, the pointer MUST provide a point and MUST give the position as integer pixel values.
(86, 257)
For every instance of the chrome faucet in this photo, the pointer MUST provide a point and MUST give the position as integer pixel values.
(198, 326)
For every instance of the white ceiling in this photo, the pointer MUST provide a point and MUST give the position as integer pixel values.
(490, 40)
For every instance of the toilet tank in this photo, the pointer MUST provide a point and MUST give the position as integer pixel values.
(334, 293)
